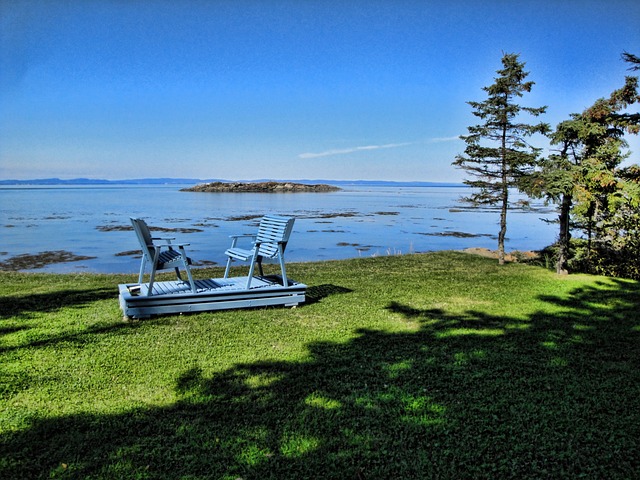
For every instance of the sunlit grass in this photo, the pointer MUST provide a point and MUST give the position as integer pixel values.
(439, 365)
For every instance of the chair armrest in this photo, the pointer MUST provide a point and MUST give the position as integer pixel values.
(166, 239)
(243, 235)
(170, 244)
(235, 238)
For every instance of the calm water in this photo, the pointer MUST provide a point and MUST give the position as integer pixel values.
(358, 221)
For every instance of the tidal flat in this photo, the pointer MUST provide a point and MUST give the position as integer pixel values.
(91, 224)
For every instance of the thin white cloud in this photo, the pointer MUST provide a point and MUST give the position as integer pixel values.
(343, 151)
(444, 139)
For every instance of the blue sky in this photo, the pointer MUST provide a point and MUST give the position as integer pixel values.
(298, 89)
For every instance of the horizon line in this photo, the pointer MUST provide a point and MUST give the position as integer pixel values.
(152, 180)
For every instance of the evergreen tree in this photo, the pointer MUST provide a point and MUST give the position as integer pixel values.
(624, 97)
(556, 180)
(582, 177)
(586, 180)
(497, 154)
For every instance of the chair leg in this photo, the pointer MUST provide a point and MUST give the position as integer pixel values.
(185, 262)
(143, 263)
(285, 282)
(151, 280)
(191, 282)
(251, 269)
(152, 277)
(260, 266)
(226, 270)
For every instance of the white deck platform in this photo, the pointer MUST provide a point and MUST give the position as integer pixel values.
(212, 294)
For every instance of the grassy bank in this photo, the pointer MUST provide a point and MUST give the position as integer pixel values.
(439, 365)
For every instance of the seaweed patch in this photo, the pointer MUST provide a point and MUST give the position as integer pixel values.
(129, 228)
(458, 234)
(39, 260)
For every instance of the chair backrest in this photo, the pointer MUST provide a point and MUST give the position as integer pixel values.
(144, 237)
(273, 230)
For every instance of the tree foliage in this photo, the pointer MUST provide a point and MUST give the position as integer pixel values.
(595, 193)
(497, 154)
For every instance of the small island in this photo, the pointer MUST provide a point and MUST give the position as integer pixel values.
(261, 187)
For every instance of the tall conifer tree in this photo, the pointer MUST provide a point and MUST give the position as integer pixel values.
(594, 191)
(497, 155)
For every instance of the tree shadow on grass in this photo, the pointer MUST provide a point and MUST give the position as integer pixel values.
(80, 338)
(23, 306)
(316, 293)
(17, 311)
(554, 395)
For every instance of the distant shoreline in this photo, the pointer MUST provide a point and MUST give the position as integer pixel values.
(196, 181)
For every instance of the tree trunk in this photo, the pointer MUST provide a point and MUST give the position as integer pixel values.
(590, 222)
(503, 225)
(565, 236)
(505, 198)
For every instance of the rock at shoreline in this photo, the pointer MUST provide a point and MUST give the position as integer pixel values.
(514, 256)
(261, 187)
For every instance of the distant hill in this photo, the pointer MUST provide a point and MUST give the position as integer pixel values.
(97, 181)
(384, 183)
(196, 181)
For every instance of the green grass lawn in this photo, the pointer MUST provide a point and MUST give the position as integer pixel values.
(440, 365)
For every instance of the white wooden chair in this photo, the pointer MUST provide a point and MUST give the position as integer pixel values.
(161, 256)
(270, 242)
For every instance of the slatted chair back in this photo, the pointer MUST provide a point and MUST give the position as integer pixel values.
(173, 256)
(270, 242)
(144, 237)
(273, 230)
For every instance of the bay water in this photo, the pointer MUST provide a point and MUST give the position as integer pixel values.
(93, 221)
